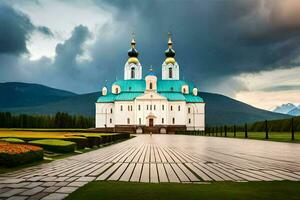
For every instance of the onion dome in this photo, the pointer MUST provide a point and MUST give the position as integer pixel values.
(170, 53)
(132, 52)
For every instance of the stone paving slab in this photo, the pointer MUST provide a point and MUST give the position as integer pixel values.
(156, 159)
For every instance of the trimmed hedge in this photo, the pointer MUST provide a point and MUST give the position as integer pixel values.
(59, 146)
(17, 154)
(12, 140)
(81, 142)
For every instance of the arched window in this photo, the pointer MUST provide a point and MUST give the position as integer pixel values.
(121, 108)
(163, 107)
(128, 121)
(111, 110)
(170, 72)
(162, 120)
(150, 86)
(132, 72)
(171, 107)
(110, 120)
(189, 110)
(189, 120)
(178, 108)
(184, 90)
(117, 90)
(173, 120)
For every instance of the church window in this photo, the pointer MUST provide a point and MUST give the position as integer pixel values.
(163, 107)
(171, 107)
(117, 90)
(170, 73)
(150, 86)
(173, 120)
(132, 73)
(189, 120)
(111, 111)
(150, 107)
(139, 107)
(140, 121)
(121, 108)
(131, 108)
(178, 108)
(128, 108)
(110, 120)
(154, 107)
(184, 90)
(128, 121)
(162, 120)
(189, 110)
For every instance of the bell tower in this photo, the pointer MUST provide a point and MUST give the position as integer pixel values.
(170, 68)
(133, 68)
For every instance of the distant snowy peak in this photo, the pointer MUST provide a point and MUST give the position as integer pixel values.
(294, 112)
(285, 108)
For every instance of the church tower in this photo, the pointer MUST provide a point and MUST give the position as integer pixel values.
(170, 68)
(133, 68)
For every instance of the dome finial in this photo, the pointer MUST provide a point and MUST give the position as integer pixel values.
(151, 68)
(133, 40)
(170, 43)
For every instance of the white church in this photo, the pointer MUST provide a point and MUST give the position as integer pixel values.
(148, 104)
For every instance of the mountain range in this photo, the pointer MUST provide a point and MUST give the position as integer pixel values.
(24, 98)
(289, 109)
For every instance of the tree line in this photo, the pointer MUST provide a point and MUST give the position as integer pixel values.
(59, 120)
(281, 125)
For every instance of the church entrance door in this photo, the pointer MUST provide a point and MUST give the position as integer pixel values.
(150, 122)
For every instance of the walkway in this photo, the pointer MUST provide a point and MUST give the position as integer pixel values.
(158, 158)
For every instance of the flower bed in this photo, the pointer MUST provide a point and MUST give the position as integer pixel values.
(18, 154)
(53, 145)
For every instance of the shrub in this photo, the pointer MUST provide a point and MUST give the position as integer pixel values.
(81, 142)
(18, 154)
(12, 140)
(60, 146)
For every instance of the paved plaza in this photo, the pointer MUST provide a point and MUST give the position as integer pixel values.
(158, 158)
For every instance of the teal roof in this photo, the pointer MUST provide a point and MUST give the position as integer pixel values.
(107, 98)
(173, 96)
(172, 85)
(171, 89)
(189, 98)
(131, 85)
(127, 96)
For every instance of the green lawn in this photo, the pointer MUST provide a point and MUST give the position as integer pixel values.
(273, 136)
(171, 191)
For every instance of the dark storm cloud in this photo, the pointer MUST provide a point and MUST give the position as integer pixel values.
(281, 88)
(67, 52)
(213, 39)
(15, 30)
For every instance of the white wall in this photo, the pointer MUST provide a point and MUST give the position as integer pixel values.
(165, 71)
(104, 115)
(197, 116)
(127, 71)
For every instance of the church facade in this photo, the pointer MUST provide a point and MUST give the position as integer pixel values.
(148, 104)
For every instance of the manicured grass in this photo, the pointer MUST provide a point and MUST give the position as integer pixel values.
(170, 191)
(53, 145)
(12, 140)
(273, 136)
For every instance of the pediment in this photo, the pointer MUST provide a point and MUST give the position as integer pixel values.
(151, 96)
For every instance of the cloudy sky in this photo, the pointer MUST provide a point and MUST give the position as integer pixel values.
(246, 49)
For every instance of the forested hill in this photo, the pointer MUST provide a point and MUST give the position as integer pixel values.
(15, 94)
(219, 108)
